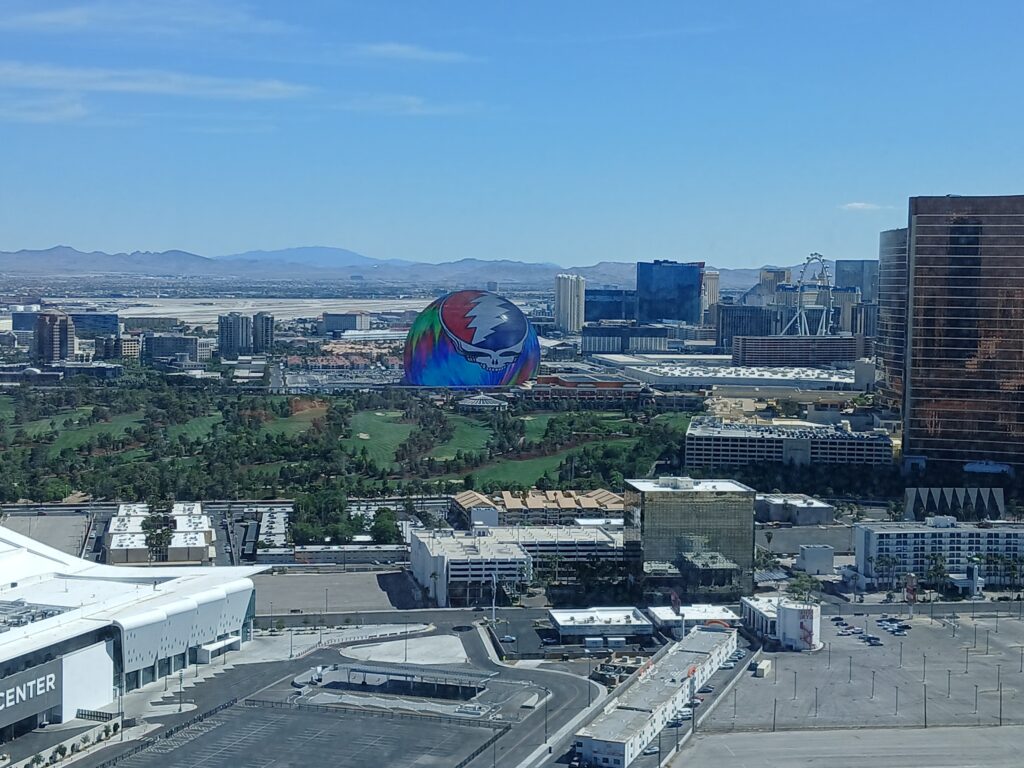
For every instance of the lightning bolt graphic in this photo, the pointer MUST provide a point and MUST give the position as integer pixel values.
(487, 315)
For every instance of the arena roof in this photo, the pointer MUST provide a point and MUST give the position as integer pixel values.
(85, 596)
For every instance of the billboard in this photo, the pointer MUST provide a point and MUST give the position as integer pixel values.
(30, 692)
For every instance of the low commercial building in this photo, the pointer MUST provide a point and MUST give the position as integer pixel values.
(793, 508)
(575, 624)
(128, 549)
(583, 388)
(475, 509)
(712, 443)
(782, 622)
(90, 632)
(625, 727)
(887, 552)
(464, 568)
(816, 559)
(335, 554)
(677, 622)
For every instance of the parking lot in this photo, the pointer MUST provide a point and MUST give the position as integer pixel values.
(261, 737)
(950, 670)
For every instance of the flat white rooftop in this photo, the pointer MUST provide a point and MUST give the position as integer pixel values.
(800, 500)
(589, 617)
(699, 612)
(460, 545)
(769, 606)
(687, 485)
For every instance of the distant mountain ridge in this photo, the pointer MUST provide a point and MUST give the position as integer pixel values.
(328, 263)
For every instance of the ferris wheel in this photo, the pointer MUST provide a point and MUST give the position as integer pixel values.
(813, 315)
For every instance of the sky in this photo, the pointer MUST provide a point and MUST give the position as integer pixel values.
(573, 132)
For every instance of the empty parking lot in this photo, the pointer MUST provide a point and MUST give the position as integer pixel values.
(261, 737)
(954, 670)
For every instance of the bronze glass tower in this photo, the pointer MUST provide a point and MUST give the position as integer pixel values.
(964, 387)
(891, 336)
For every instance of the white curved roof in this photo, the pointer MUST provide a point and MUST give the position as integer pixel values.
(94, 595)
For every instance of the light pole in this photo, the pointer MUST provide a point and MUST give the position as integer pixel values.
(901, 654)
(872, 684)
(547, 693)
(271, 615)
(794, 685)
(924, 667)
(181, 683)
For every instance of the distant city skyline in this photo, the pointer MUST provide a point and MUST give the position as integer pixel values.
(737, 135)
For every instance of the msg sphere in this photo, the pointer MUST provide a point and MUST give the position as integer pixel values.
(471, 339)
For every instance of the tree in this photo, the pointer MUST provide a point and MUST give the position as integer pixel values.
(802, 587)
(384, 529)
(936, 573)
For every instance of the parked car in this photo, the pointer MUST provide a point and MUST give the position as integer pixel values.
(651, 750)
(706, 689)
(728, 665)
(508, 638)
(549, 640)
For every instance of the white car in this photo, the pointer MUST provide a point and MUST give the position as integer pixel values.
(728, 665)
(651, 750)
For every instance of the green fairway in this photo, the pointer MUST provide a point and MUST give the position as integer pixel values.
(679, 420)
(536, 424)
(6, 407)
(469, 435)
(380, 432)
(54, 423)
(296, 423)
(198, 428)
(528, 471)
(76, 436)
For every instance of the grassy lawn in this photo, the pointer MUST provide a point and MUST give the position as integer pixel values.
(528, 471)
(6, 407)
(679, 420)
(41, 426)
(382, 431)
(469, 435)
(536, 424)
(76, 436)
(297, 423)
(198, 428)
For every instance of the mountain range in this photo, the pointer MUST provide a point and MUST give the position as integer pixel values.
(317, 262)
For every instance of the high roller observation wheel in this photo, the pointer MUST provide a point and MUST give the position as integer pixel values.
(823, 281)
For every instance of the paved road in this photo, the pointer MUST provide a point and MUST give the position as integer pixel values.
(889, 747)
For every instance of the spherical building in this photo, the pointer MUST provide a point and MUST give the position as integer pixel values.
(471, 339)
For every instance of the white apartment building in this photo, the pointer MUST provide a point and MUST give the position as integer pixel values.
(617, 736)
(570, 292)
(887, 552)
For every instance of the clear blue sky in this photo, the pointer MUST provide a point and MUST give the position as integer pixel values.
(738, 133)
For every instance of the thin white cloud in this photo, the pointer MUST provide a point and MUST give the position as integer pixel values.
(141, 17)
(407, 106)
(14, 74)
(406, 52)
(60, 108)
(861, 207)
